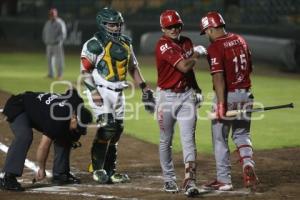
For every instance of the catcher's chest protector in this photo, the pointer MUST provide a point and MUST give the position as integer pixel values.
(113, 66)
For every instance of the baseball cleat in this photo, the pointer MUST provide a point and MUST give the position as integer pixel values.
(171, 187)
(191, 191)
(119, 178)
(217, 185)
(100, 176)
(66, 178)
(250, 178)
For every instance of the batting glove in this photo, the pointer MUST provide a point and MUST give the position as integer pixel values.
(198, 99)
(200, 49)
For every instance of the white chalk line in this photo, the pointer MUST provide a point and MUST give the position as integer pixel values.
(72, 193)
(28, 163)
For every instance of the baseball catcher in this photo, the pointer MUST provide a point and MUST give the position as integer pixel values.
(105, 60)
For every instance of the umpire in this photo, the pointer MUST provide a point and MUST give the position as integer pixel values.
(61, 118)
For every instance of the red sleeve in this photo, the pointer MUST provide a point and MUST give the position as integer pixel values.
(86, 64)
(169, 53)
(214, 59)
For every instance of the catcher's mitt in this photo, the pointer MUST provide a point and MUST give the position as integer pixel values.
(149, 101)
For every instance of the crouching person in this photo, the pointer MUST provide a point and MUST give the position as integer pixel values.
(61, 118)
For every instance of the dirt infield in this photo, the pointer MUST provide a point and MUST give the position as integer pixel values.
(278, 170)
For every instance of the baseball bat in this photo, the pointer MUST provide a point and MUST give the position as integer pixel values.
(233, 113)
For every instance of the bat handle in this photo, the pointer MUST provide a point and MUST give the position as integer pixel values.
(230, 113)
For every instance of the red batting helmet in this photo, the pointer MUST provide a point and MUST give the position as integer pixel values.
(211, 20)
(169, 18)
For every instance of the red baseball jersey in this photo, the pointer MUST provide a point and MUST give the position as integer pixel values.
(230, 54)
(168, 54)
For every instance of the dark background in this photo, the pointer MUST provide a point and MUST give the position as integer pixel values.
(21, 21)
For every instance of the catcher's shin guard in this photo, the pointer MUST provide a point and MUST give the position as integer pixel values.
(98, 154)
(111, 160)
(104, 136)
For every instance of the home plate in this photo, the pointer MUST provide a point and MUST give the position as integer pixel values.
(55, 189)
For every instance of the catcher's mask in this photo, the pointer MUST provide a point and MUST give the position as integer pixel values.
(107, 20)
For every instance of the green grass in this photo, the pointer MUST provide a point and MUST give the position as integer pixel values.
(277, 129)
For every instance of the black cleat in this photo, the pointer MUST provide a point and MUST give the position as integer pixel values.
(63, 179)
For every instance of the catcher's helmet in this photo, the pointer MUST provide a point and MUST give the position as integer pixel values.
(108, 15)
(211, 19)
(169, 18)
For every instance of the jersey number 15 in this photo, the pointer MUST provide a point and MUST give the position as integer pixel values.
(240, 62)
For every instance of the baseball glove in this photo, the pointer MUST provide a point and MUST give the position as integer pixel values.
(149, 101)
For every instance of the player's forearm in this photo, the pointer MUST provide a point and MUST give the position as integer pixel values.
(136, 75)
(219, 86)
(43, 152)
(186, 65)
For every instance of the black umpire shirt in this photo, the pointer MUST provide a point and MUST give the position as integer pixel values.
(49, 113)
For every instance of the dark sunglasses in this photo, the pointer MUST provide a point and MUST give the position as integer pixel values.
(175, 26)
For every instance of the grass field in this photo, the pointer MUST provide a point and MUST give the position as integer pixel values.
(277, 129)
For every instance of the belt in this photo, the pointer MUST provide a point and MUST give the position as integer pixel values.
(176, 90)
(116, 89)
(244, 90)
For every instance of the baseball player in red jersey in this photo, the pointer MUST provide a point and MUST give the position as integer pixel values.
(230, 63)
(178, 95)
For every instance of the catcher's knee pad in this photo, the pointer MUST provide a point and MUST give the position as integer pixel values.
(109, 127)
(119, 131)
